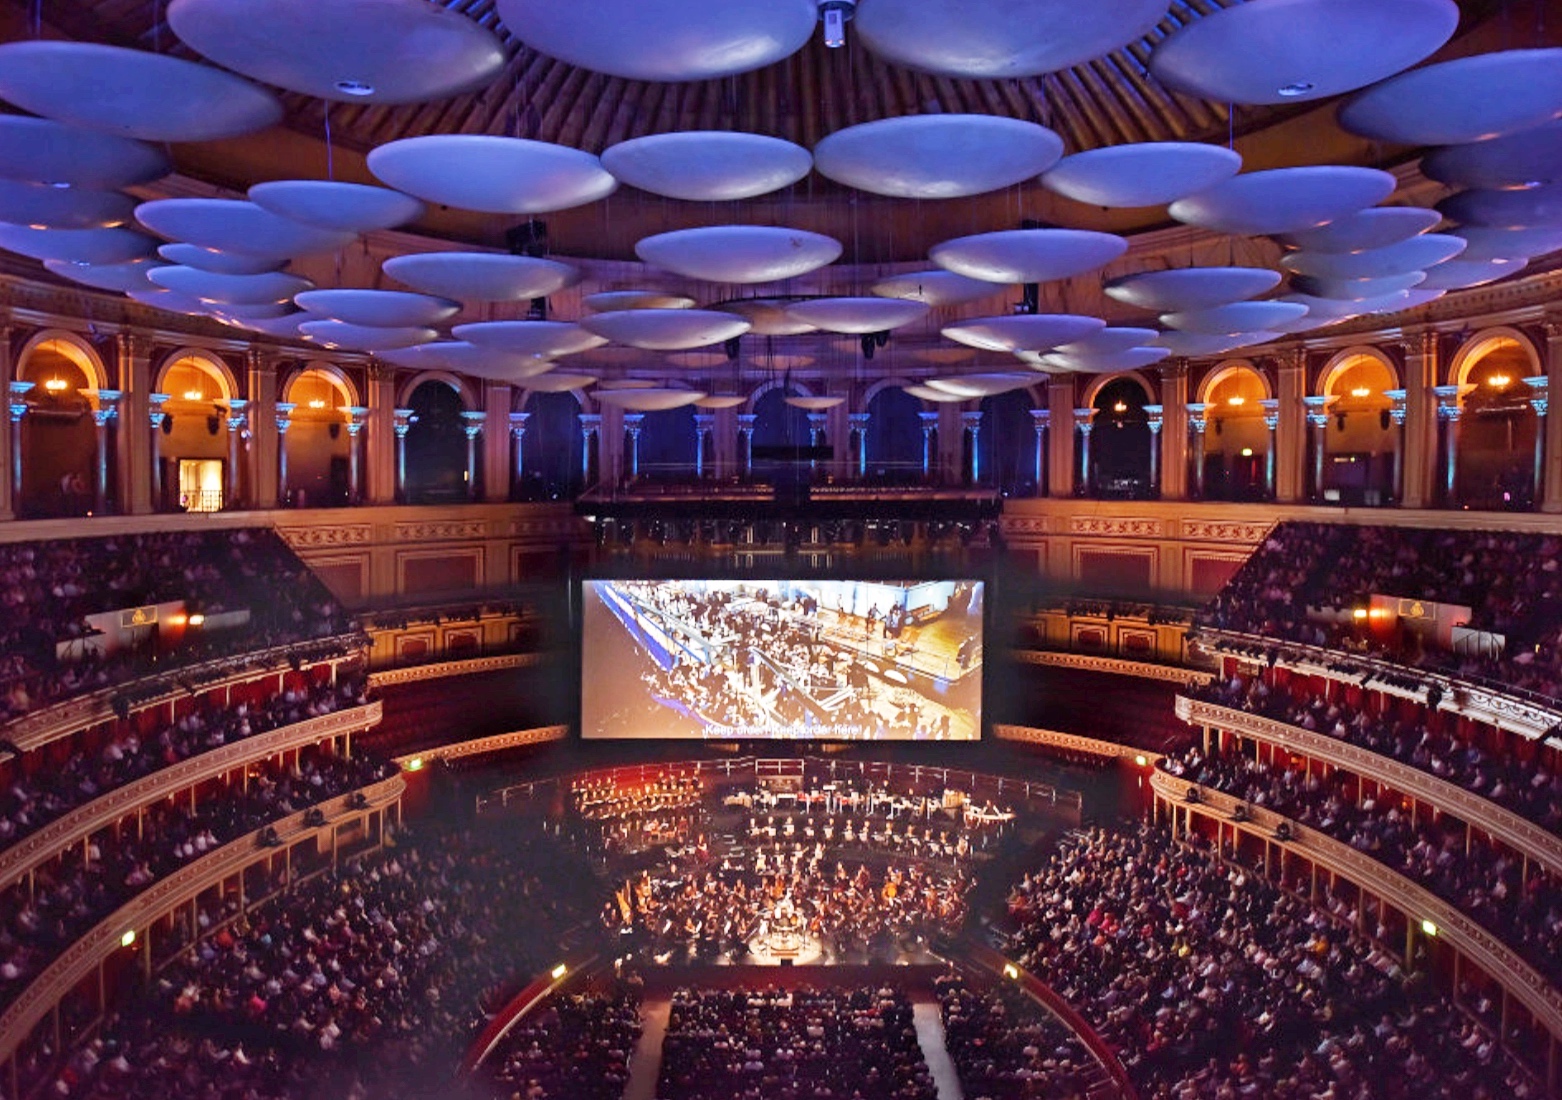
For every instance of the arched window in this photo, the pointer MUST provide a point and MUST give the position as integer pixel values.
(1360, 440)
(551, 449)
(1120, 441)
(1006, 441)
(58, 437)
(436, 445)
(1236, 439)
(317, 441)
(667, 443)
(894, 437)
(1496, 433)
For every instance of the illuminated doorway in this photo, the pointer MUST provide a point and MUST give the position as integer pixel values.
(200, 484)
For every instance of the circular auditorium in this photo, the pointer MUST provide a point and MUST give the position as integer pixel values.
(780, 550)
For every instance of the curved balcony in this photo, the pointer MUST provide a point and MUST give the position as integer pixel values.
(435, 670)
(1459, 931)
(1518, 833)
(40, 847)
(1120, 666)
(78, 961)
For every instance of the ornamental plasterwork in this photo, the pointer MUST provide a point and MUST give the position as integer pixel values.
(309, 538)
(1104, 525)
(1196, 530)
(434, 530)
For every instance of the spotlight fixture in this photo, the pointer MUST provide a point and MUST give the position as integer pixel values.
(1296, 88)
(835, 14)
(354, 88)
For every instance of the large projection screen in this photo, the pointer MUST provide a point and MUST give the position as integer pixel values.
(792, 659)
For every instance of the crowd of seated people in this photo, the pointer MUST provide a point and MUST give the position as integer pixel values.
(58, 903)
(1511, 581)
(802, 1044)
(574, 1047)
(1529, 790)
(28, 803)
(1212, 983)
(1004, 1046)
(1522, 906)
(47, 589)
(357, 983)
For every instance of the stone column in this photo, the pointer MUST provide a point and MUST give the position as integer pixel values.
(1396, 484)
(1318, 421)
(704, 425)
(284, 421)
(17, 409)
(472, 425)
(155, 418)
(858, 422)
(238, 420)
(135, 457)
(1060, 467)
(929, 421)
(634, 424)
(1271, 408)
(1039, 419)
(380, 447)
(404, 419)
(263, 436)
(1422, 370)
(357, 417)
(971, 425)
(1174, 436)
(9, 430)
(818, 422)
(1448, 412)
(1084, 420)
(746, 444)
(496, 442)
(1290, 436)
(1197, 422)
(1156, 415)
(518, 441)
(103, 415)
(1540, 401)
(590, 434)
(1551, 480)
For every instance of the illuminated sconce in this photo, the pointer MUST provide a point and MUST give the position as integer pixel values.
(193, 395)
(1011, 972)
(1359, 614)
(558, 971)
(1120, 408)
(317, 403)
(1235, 401)
(1361, 391)
(1429, 928)
(415, 764)
(128, 938)
(1141, 760)
(1247, 452)
(56, 385)
(1498, 381)
(197, 619)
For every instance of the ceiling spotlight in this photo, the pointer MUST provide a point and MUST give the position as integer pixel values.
(835, 14)
(1296, 88)
(59, 184)
(354, 87)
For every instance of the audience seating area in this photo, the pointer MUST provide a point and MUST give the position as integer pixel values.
(1006, 1047)
(575, 1048)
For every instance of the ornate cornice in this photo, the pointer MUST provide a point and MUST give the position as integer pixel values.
(1144, 527)
(316, 537)
(38, 848)
(83, 956)
(1496, 958)
(478, 746)
(441, 530)
(1071, 742)
(1115, 665)
(440, 669)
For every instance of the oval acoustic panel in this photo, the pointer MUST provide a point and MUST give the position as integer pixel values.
(983, 385)
(858, 316)
(1458, 274)
(172, 301)
(324, 204)
(936, 288)
(937, 397)
(1109, 341)
(222, 263)
(352, 51)
(1236, 318)
(481, 276)
(707, 165)
(1375, 227)
(739, 253)
(666, 329)
(1191, 287)
(1533, 208)
(84, 246)
(1474, 98)
(1416, 254)
(606, 301)
(38, 150)
(1508, 244)
(720, 401)
(559, 383)
(1198, 345)
(1023, 331)
(1028, 255)
(43, 207)
(233, 225)
(132, 93)
(545, 339)
(273, 286)
(1101, 362)
(647, 399)
(814, 404)
(1148, 173)
(1356, 290)
(1290, 51)
(283, 328)
(467, 358)
(1284, 200)
(767, 316)
(937, 156)
(122, 277)
(339, 334)
(1526, 159)
(492, 175)
(383, 308)
(1001, 39)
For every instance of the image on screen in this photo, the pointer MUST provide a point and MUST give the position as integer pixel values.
(797, 659)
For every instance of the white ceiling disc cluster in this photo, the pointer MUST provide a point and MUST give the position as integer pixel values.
(492, 175)
(1375, 227)
(1028, 255)
(647, 399)
(273, 286)
(383, 308)
(340, 334)
(1524, 159)
(696, 360)
(1322, 311)
(814, 404)
(1150, 173)
(1195, 345)
(1023, 331)
(1099, 362)
(857, 316)
(664, 40)
(130, 275)
(222, 263)
(666, 329)
(481, 276)
(559, 383)
(708, 165)
(971, 386)
(606, 301)
(1474, 98)
(1356, 290)
(86, 246)
(324, 204)
(233, 225)
(1458, 274)
(1284, 200)
(38, 150)
(767, 316)
(251, 311)
(1108, 341)
(1191, 287)
(283, 328)
(546, 339)
(45, 207)
(1236, 318)
(132, 93)
(172, 301)
(1533, 208)
(739, 253)
(1508, 244)
(936, 288)
(720, 401)
(1289, 51)
(928, 393)
(1001, 39)
(354, 51)
(467, 358)
(1415, 254)
(944, 156)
